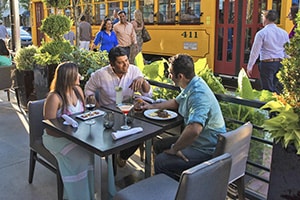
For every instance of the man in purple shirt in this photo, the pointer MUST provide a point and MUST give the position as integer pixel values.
(269, 45)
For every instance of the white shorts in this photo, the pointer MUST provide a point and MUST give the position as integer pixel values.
(84, 45)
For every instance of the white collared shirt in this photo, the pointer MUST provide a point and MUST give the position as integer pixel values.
(105, 81)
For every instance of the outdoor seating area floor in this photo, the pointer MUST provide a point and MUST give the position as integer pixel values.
(14, 165)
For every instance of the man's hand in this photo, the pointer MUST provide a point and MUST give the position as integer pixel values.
(249, 72)
(137, 84)
(179, 153)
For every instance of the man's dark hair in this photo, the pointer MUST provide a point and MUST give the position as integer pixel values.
(121, 11)
(294, 11)
(184, 64)
(116, 52)
(271, 15)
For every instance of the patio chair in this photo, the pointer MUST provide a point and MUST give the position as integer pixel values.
(38, 152)
(6, 83)
(236, 143)
(207, 180)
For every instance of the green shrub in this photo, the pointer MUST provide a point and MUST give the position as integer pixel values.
(52, 52)
(24, 58)
(55, 26)
(57, 3)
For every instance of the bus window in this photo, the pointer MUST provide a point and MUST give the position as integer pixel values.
(190, 11)
(111, 7)
(147, 9)
(166, 13)
(277, 6)
(99, 13)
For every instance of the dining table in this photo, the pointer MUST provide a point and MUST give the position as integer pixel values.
(164, 123)
(99, 140)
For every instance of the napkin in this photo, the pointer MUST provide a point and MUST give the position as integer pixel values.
(69, 121)
(120, 134)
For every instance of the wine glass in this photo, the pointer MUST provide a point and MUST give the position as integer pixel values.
(125, 108)
(90, 104)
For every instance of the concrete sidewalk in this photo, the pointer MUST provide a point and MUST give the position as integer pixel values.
(14, 161)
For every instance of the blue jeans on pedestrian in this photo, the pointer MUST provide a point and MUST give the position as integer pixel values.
(173, 165)
(268, 71)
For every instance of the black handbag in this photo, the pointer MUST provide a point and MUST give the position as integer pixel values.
(145, 35)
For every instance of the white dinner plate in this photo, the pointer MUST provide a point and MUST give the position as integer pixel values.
(151, 113)
(87, 115)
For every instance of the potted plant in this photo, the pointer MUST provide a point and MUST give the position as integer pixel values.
(50, 54)
(23, 74)
(284, 127)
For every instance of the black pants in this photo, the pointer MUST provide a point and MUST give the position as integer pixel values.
(126, 153)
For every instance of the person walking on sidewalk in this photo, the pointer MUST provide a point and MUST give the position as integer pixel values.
(269, 46)
(85, 34)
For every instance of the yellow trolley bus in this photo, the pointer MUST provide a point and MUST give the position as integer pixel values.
(221, 31)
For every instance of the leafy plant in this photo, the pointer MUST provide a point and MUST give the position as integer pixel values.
(202, 69)
(57, 3)
(52, 52)
(55, 26)
(285, 126)
(88, 61)
(24, 58)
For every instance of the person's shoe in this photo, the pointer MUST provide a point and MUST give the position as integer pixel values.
(121, 163)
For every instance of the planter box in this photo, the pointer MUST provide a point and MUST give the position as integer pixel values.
(285, 173)
(43, 76)
(24, 79)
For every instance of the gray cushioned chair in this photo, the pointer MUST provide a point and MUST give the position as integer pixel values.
(38, 152)
(6, 83)
(236, 143)
(208, 180)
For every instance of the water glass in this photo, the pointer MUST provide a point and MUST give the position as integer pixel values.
(119, 97)
(109, 120)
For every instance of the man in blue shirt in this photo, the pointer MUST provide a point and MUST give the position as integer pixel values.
(203, 121)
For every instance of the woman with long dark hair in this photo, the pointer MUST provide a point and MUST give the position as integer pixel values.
(76, 164)
(106, 38)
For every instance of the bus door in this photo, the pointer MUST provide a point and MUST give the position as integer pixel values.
(237, 24)
(39, 12)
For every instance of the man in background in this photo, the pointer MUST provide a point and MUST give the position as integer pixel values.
(85, 34)
(269, 46)
(70, 36)
(115, 15)
(3, 32)
(125, 32)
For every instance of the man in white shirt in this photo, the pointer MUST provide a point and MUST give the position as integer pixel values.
(269, 45)
(118, 74)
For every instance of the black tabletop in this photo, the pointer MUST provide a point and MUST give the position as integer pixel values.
(98, 139)
(165, 124)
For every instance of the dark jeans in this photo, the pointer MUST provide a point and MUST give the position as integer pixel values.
(126, 153)
(172, 165)
(268, 71)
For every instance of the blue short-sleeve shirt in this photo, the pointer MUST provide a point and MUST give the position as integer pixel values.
(198, 104)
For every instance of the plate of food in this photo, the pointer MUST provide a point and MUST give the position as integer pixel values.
(89, 115)
(160, 114)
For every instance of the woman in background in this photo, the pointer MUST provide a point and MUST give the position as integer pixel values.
(105, 37)
(138, 25)
(5, 58)
(292, 16)
(76, 164)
